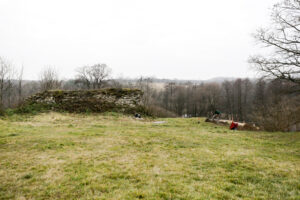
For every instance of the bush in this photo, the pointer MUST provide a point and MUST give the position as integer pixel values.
(279, 116)
(2, 113)
(32, 109)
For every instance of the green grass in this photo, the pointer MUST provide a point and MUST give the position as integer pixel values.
(111, 156)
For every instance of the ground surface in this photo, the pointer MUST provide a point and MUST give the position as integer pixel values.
(64, 156)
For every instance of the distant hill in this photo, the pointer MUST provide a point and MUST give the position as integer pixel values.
(219, 79)
(162, 80)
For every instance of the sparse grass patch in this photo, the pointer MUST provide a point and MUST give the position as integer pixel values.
(113, 156)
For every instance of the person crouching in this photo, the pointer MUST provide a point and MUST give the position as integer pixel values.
(234, 125)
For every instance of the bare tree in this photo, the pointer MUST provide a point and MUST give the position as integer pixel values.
(145, 84)
(238, 92)
(5, 78)
(247, 98)
(20, 81)
(212, 90)
(10, 86)
(180, 100)
(168, 97)
(283, 39)
(228, 98)
(83, 77)
(49, 79)
(93, 77)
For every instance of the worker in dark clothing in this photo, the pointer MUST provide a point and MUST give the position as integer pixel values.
(216, 114)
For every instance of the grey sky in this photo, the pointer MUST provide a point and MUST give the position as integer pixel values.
(184, 39)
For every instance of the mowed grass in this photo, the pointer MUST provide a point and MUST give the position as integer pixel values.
(112, 156)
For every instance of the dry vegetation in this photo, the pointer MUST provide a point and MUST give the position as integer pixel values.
(111, 156)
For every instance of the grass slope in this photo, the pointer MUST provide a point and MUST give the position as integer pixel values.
(111, 156)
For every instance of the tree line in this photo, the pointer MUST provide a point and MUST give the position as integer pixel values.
(271, 101)
(267, 103)
(13, 89)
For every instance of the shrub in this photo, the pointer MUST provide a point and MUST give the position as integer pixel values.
(32, 108)
(2, 113)
(279, 116)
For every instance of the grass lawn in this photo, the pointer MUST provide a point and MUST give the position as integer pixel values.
(111, 156)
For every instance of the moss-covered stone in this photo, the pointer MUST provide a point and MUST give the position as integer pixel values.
(111, 99)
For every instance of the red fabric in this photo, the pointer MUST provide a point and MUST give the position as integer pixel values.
(233, 125)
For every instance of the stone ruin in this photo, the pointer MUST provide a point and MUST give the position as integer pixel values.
(103, 100)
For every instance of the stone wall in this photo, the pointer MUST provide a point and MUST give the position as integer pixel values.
(112, 99)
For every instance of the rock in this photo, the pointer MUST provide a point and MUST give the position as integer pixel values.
(159, 122)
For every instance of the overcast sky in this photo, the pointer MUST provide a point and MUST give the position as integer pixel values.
(183, 39)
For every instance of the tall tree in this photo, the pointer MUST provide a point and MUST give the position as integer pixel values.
(145, 84)
(49, 79)
(283, 40)
(5, 79)
(247, 88)
(238, 89)
(93, 77)
(20, 81)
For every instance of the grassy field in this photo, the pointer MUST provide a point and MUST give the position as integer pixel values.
(111, 156)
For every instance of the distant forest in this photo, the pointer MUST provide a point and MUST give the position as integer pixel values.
(272, 102)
